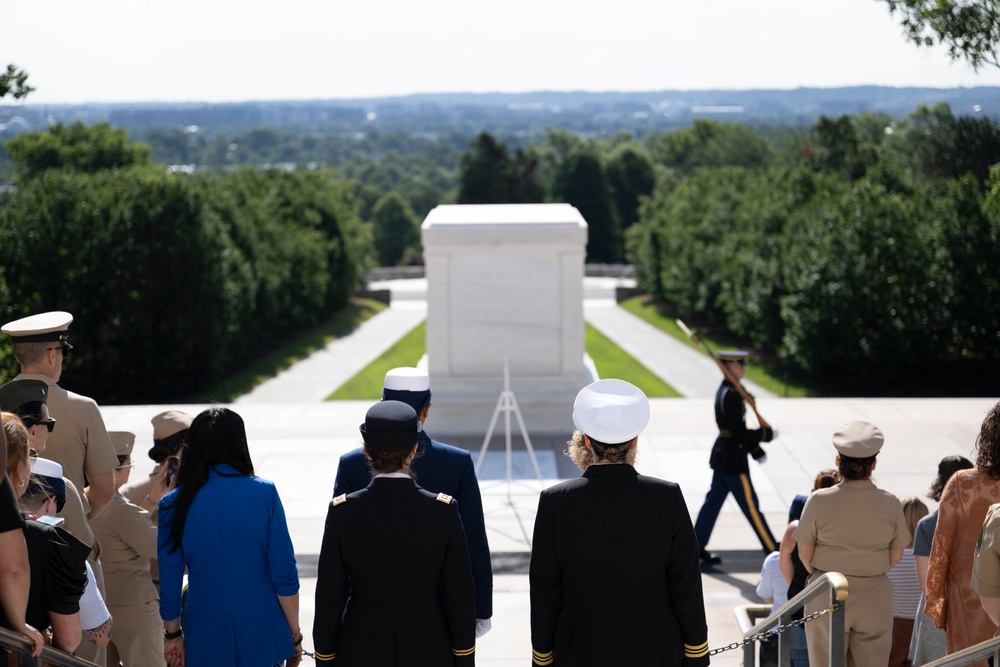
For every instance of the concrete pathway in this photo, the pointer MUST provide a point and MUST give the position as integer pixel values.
(315, 378)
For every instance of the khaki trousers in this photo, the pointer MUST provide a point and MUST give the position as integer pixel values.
(137, 637)
(867, 624)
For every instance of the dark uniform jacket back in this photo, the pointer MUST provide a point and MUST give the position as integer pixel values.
(394, 586)
(735, 441)
(615, 576)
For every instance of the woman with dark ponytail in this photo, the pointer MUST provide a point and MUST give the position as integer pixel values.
(227, 528)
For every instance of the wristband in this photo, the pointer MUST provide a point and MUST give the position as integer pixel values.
(173, 635)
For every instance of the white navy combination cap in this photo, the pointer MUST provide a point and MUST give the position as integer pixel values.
(409, 385)
(739, 356)
(611, 411)
(45, 327)
(858, 439)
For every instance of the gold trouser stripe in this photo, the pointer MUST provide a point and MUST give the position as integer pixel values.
(464, 652)
(696, 651)
(758, 523)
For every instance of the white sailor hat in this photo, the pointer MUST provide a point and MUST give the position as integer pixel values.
(858, 439)
(43, 327)
(611, 411)
(47, 476)
(409, 385)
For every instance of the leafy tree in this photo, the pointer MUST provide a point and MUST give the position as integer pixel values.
(632, 175)
(394, 229)
(77, 148)
(969, 28)
(14, 82)
(836, 147)
(582, 182)
(484, 172)
(709, 143)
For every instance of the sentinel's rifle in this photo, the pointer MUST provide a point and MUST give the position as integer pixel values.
(725, 371)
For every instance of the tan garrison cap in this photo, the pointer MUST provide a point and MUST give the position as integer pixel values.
(51, 326)
(122, 441)
(858, 439)
(170, 422)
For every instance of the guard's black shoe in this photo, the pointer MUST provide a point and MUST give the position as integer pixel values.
(710, 558)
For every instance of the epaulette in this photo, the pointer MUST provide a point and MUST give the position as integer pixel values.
(342, 498)
(444, 498)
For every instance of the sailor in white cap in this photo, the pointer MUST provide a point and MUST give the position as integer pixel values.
(859, 530)
(439, 468)
(617, 547)
(80, 442)
(730, 469)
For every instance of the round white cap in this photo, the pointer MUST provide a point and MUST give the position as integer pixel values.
(407, 379)
(611, 411)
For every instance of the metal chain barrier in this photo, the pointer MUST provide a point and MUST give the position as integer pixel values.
(775, 630)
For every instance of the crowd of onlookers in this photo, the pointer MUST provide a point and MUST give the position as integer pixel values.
(923, 584)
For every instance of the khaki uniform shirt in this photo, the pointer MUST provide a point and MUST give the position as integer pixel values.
(79, 441)
(853, 525)
(128, 539)
(986, 566)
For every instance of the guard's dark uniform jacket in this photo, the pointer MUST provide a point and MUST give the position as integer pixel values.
(439, 468)
(735, 441)
(731, 470)
(615, 576)
(394, 586)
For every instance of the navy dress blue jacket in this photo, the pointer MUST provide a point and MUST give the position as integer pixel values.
(439, 468)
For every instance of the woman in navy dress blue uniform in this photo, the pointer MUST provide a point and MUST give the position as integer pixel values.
(394, 587)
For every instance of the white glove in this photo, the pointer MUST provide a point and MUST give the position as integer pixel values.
(483, 625)
(762, 460)
(774, 434)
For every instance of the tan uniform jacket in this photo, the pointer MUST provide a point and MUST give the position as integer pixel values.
(986, 566)
(854, 525)
(128, 538)
(79, 441)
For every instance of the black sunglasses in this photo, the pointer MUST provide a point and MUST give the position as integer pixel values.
(49, 423)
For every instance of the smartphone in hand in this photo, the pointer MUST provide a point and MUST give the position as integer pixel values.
(51, 520)
(173, 465)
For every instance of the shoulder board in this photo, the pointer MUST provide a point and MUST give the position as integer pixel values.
(444, 498)
(342, 498)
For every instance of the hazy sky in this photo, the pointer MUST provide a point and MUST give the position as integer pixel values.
(235, 50)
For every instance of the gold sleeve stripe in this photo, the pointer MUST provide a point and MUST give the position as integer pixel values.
(540, 658)
(699, 651)
(444, 498)
(342, 498)
(464, 652)
(324, 656)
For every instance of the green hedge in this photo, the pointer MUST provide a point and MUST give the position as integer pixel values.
(173, 280)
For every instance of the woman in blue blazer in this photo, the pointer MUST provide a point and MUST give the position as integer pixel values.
(227, 527)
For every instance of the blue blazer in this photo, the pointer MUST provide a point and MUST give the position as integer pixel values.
(439, 468)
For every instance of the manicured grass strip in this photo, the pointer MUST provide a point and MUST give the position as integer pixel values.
(768, 378)
(367, 384)
(614, 362)
(341, 323)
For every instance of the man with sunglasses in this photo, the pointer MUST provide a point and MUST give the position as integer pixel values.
(81, 443)
(730, 468)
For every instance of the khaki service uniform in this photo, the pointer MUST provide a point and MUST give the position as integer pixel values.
(80, 441)
(129, 539)
(986, 566)
(853, 526)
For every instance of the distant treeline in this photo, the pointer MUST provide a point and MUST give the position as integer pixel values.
(859, 252)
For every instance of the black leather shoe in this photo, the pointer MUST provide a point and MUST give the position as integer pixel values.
(710, 558)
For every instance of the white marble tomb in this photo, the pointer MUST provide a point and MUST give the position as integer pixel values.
(504, 280)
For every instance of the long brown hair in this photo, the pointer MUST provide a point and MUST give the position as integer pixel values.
(988, 444)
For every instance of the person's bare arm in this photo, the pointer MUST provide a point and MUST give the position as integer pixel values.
(100, 492)
(66, 631)
(806, 553)
(290, 607)
(895, 555)
(15, 579)
(922, 563)
(785, 552)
